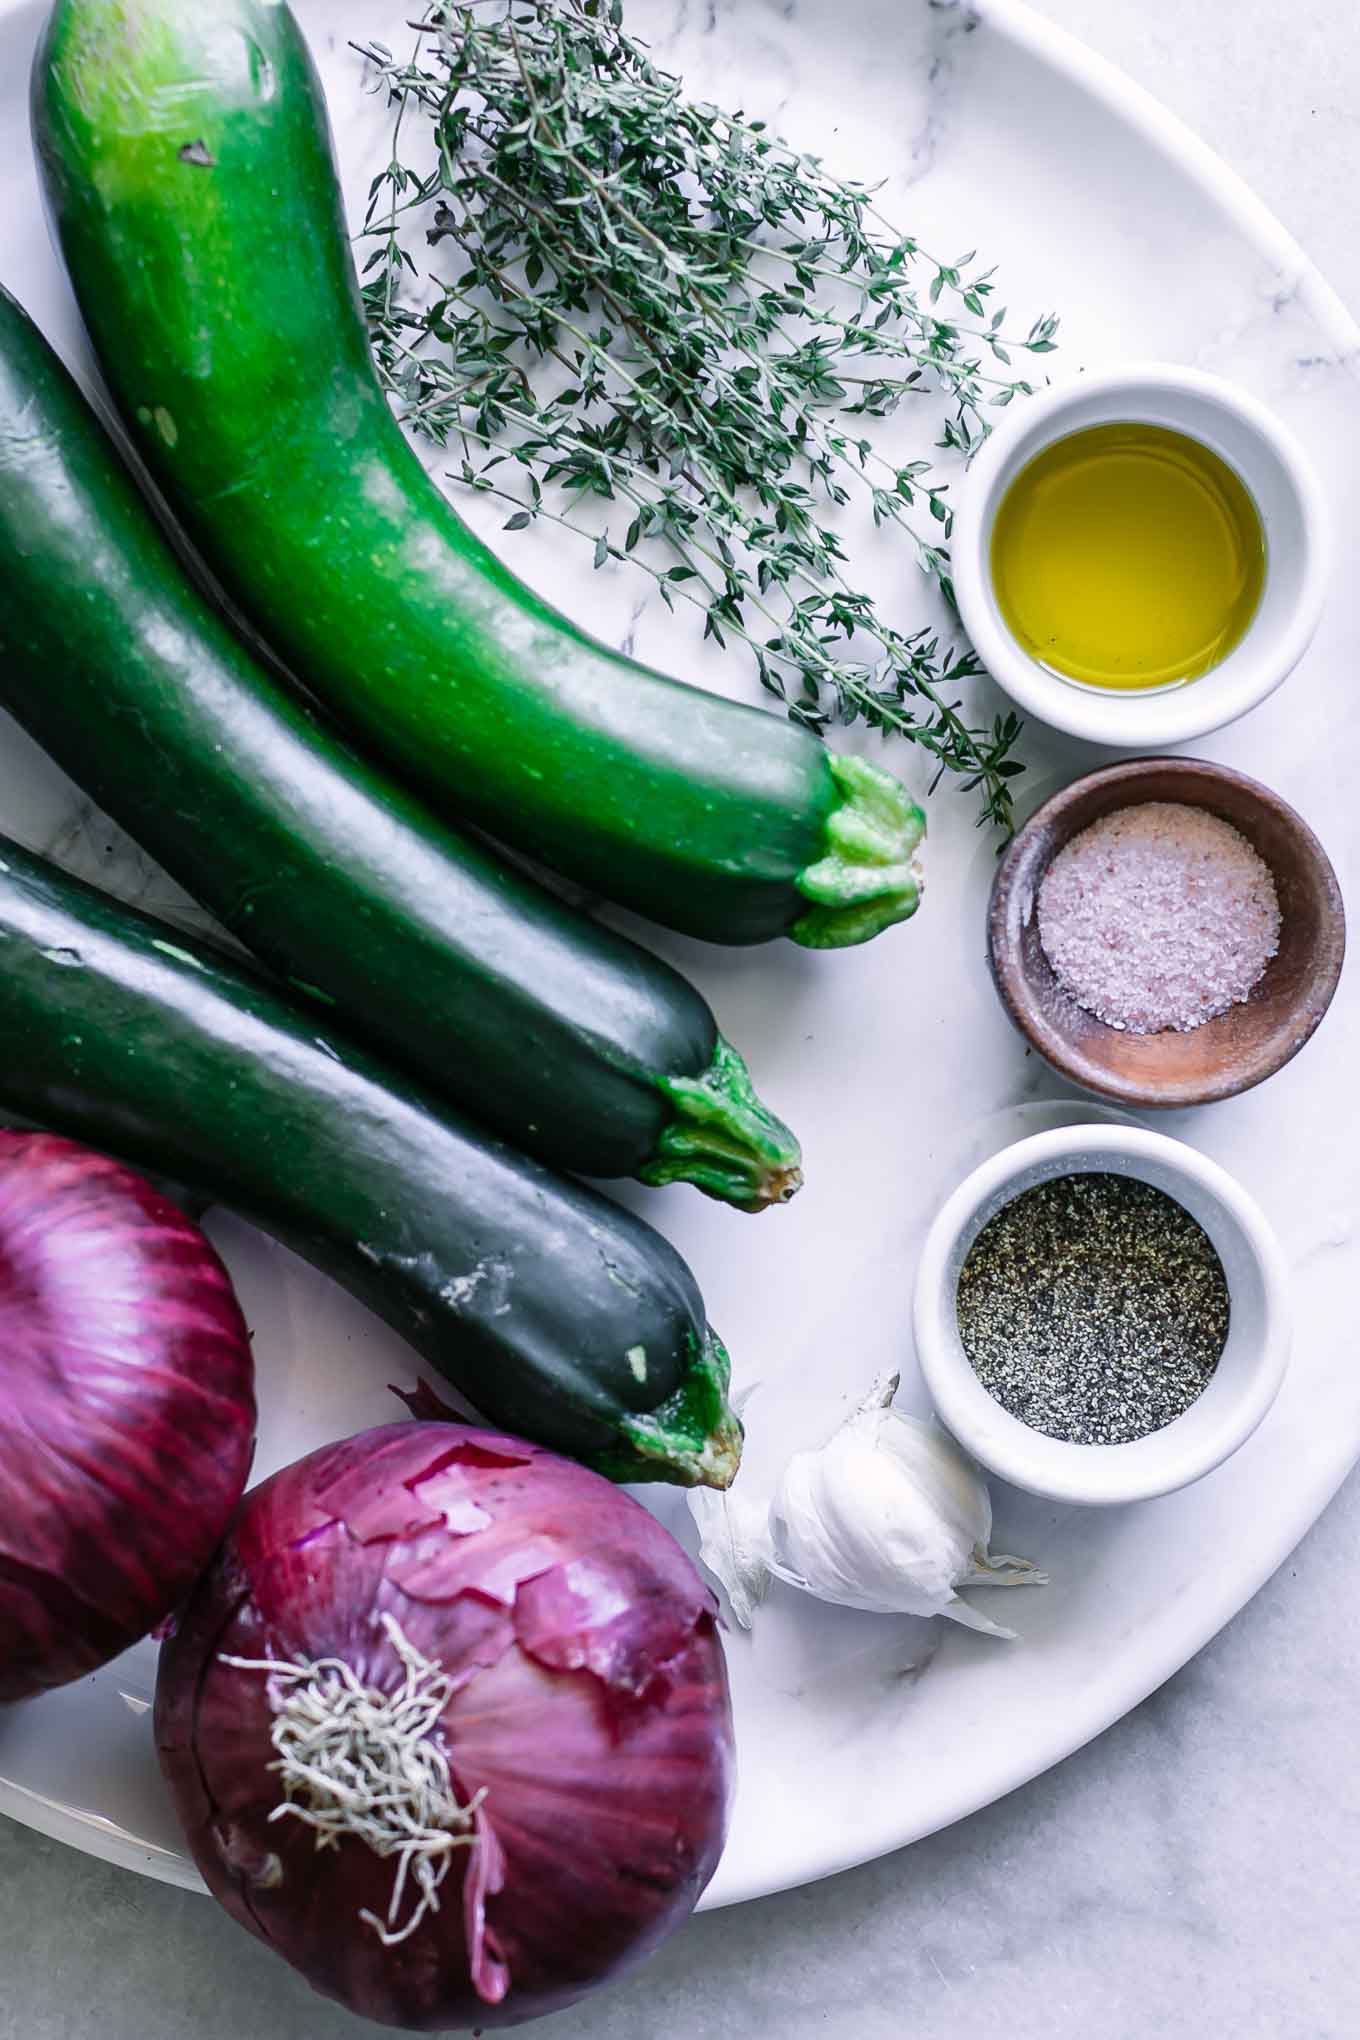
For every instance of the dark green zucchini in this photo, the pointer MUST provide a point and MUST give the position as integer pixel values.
(185, 151)
(563, 1036)
(557, 1314)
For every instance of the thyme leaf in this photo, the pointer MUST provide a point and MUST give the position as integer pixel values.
(656, 324)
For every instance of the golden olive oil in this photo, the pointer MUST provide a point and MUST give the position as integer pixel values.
(1128, 556)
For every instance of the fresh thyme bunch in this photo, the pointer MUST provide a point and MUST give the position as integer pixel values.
(647, 300)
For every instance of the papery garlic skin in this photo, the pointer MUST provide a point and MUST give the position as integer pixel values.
(889, 1516)
(734, 1545)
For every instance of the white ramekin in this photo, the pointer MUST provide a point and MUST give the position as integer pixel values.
(1243, 1386)
(1283, 486)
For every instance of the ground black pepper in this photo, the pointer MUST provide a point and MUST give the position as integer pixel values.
(1094, 1308)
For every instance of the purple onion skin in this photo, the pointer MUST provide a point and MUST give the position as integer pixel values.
(591, 1704)
(129, 1409)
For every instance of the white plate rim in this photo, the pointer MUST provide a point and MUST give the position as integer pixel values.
(1194, 1622)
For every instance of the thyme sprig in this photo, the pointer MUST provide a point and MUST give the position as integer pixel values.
(647, 302)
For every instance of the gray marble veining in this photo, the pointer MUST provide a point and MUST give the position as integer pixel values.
(1193, 1870)
(1189, 1873)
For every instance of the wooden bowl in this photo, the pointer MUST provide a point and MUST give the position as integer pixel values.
(1242, 1046)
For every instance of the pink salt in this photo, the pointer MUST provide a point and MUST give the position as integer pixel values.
(1158, 916)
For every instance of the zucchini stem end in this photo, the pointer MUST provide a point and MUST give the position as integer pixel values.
(692, 1440)
(869, 876)
(724, 1140)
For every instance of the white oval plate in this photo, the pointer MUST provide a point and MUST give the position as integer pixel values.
(992, 131)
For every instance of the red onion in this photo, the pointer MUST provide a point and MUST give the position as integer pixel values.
(129, 1411)
(510, 1649)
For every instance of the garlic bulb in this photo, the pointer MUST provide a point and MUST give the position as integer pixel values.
(888, 1516)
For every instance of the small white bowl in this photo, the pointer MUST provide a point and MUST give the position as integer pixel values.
(1242, 1387)
(1283, 487)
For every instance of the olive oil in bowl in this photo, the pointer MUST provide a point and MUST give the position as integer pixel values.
(1128, 556)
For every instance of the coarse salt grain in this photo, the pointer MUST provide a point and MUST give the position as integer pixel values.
(1158, 916)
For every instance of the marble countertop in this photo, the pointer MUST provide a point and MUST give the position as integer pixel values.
(1187, 1872)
